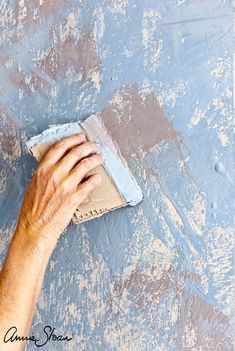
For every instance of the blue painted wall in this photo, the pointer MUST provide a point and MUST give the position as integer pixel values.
(157, 276)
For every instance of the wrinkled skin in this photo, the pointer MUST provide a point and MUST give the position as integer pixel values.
(56, 190)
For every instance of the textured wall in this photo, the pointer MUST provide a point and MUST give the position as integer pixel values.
(157, 276)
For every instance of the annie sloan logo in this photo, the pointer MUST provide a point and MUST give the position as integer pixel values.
(48, 335)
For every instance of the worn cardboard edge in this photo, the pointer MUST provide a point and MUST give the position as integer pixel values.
(78, 219)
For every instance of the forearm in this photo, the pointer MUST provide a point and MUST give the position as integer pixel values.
(20, 283)
(62, 181)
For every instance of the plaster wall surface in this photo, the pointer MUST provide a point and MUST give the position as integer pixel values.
(156, 277)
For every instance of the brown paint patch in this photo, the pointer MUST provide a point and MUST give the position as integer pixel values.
(17, 79)
(38, 83)
(4, 57)
(34, 83)
(46, 9)
(146, 287)
(195, 312)
(30, 17)
(80, 54)
(8, 134)
(137, 122)
(209, 323)
(49, 8)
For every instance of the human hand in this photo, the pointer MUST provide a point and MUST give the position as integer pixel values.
(58, 187)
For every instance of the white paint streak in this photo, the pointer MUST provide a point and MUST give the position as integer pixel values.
(74, 312)
(222, 136)
(54, 91)
(95, 77)
(172, 212)
(152, 46)
(70, 27)
(197, 215)
(3, 181)
(189, 336)
(7, 21)
(223, 68)
(99, 22)
(170, 96)
(198, 115)
(224, 113)
(22, 12)
(123, 338)
(119, 6)
(166, 229)
(220, 246)
(180, 2)
(218, 111)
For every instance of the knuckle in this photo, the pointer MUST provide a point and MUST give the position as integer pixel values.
(64, 189)
(97, 179)
(54, 177)
(85, 149)
(92, 145)
(60, 144)
(89, 185)
(97, 159)
(86, 163)
(76, 151)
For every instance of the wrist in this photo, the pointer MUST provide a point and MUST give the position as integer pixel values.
(33, 241)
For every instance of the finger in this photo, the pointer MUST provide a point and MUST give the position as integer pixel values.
(83, 168)
(76, 154)
(85, 188)
(61, 147)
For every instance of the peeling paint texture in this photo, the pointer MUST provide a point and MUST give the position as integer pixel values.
(158, 276)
